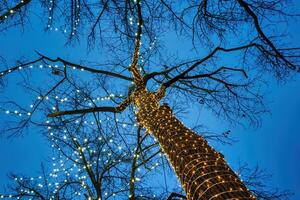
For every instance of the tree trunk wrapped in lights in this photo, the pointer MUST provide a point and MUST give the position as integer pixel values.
(203, 172)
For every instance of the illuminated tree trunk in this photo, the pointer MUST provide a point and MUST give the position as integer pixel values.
(203, 172)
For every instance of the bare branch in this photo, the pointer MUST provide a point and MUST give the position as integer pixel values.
(66, 64)
(133, 67)
(14, 9)
(248, 10)
(117, 109)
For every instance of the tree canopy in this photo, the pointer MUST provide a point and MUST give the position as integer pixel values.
(218, 54)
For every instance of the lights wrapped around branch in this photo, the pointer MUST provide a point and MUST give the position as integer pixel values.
(14, 9)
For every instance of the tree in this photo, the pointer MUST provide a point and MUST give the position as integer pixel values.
(122, 27)
(86, 165)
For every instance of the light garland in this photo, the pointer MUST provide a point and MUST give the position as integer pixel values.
(23, 113)
(13, 10)
(63, 30)
(61, 167)
(38, 66)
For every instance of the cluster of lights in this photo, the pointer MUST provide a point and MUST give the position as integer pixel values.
(202, 171)
(81, 150)
(63, 169)
(60, 166)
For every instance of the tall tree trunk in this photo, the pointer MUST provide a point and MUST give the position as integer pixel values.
(203, 172)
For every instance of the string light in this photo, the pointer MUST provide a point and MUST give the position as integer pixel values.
(13, 10)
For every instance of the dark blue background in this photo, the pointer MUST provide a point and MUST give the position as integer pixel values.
(275, 146)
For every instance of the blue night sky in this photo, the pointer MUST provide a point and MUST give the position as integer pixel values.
(274, 146)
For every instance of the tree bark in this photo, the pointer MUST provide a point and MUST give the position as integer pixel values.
(203, 172)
